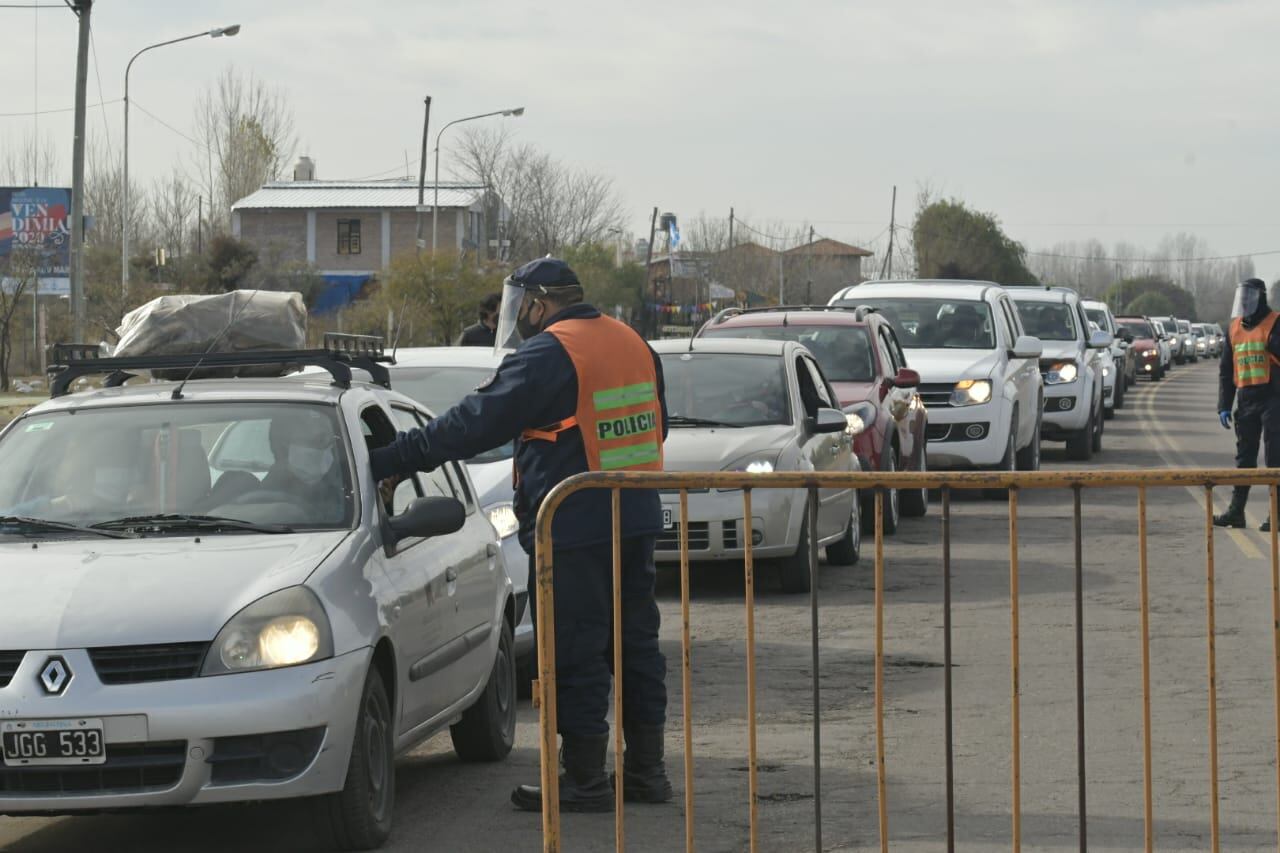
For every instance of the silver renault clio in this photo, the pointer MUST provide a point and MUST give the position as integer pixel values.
(205, 598)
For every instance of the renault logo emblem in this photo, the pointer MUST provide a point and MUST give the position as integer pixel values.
(55, 676)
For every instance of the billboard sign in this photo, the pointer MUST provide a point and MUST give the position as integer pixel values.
(37, 221)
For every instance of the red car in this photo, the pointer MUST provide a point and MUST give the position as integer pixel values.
(861, 358)
(1145, 346)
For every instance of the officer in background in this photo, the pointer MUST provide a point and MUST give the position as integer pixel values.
(1248, 376)
(481, 334)
(582, 392)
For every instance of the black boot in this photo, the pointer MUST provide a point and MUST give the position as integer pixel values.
(1266, 526)
(584, 787)
(1234, 516)
(644, 771)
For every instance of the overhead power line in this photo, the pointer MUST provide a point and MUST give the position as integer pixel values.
(29, 113)
(134, 102)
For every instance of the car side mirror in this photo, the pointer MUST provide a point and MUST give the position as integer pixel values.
(427, 517)
(906, 378)
(830, 420)
(1027, 346)
(1100, 340)
(1127, 336)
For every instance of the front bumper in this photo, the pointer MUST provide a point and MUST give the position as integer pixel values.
(716, 529)
(193, 712)
(1065, 409)
(950, 427)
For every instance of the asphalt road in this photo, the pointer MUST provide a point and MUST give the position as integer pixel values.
(447, 806)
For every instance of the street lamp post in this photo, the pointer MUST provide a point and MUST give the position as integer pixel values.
(435, 201)
(124, 204)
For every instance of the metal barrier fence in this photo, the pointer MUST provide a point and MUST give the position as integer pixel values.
(1075, 481)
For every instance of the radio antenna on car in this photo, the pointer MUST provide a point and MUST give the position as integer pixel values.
(395, 342)
(177, 392)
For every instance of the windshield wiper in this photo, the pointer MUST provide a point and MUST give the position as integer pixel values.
(60, 526)
(180, 521)
(683, 420)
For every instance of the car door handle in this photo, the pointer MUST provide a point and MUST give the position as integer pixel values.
(451, 574)
(491, 550)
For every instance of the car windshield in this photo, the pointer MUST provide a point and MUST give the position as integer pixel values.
(1048, 321)
(1184, 327)
(726, 388)
(843, 352)
(936, 323)
(1138, 328)
(441, 388)
(1097, 315)
(274, 464)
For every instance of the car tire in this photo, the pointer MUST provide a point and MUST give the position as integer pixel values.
(1080, 443)
(1122, 384)
(793, 571)
(1028, 458)
(487, 730)
(1008, 463)
(892, 499)
(359, 816)
(1099, 424)
(914, 503)
(848, 549)
(1108, 414)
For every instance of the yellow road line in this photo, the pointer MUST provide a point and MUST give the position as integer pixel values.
(1238, 536)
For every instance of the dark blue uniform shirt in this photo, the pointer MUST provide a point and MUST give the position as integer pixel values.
(535, 386)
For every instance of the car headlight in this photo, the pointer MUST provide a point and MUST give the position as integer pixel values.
(1061, 373)
(285, 628)
(971, 392)
(1150, 353)
(759, 466)
(503, 518)
(859, 418)
(1106, 371)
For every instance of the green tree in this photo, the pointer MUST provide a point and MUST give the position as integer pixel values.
(952, 241)
(1151, 304)
(1127, 293)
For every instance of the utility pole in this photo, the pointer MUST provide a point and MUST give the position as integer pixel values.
(648, 274)
(888, 257)
(731, 228)
(199, 225)
(82, 8)
(808, 293)
(422, 175)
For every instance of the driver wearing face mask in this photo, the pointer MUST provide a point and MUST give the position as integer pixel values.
(306, 465)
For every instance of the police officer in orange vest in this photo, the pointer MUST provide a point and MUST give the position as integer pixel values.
(1249, 375)
(581, 392)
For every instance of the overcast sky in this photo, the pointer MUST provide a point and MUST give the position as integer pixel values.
(1116, 119)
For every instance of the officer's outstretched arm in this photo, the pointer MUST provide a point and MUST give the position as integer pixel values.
(497, 412)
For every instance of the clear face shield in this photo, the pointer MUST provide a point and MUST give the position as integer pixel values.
(507, 334)
(1247, 300)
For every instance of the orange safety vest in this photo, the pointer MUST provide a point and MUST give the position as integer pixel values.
(1249, 351)
(618, 414)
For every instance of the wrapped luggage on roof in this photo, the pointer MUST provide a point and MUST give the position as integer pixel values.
(239, 321)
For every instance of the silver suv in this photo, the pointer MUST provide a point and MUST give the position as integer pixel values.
(216, 603)
(1072, 365)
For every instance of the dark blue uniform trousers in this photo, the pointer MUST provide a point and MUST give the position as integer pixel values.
(1257, 417)
(584, 636)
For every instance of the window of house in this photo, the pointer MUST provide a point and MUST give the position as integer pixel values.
(348, 236)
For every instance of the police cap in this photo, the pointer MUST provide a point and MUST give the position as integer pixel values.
(545, 274)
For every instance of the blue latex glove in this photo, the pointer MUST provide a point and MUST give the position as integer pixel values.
(1225, 417)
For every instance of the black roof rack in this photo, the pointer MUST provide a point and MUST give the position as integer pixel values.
(69, 362)
(859, 311)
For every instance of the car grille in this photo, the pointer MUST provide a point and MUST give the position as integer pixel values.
(131, 768)
(9, 662)
(730, 534)
(264, 758)
(699, 537)
(140, 664)
(936, 395)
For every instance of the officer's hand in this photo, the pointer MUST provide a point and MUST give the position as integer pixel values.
(387, 490)
(1225, 417)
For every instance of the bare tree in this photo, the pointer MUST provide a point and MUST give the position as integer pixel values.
(30, 162)
(247, 130)
(174, 208)
(104, 201)
(538, 205)
(18, 277)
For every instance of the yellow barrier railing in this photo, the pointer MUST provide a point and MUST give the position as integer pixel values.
(1013, 482)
